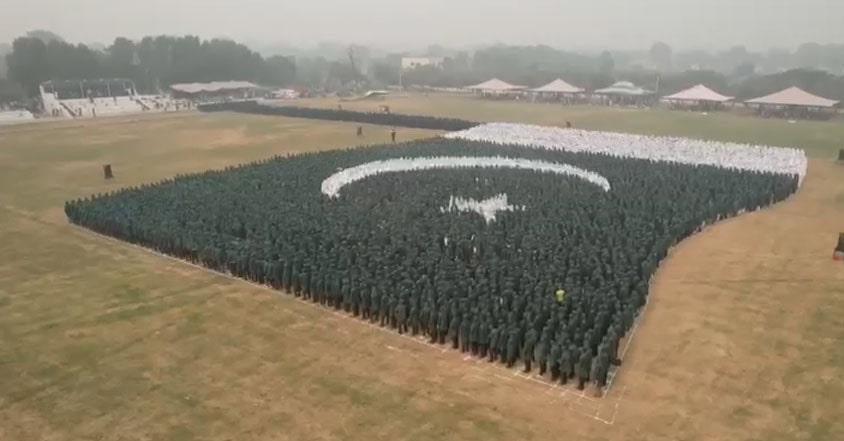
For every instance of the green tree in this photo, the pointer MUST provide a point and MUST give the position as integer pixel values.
(660, 55)
(606, 64)
(279, 71)
(28, 64)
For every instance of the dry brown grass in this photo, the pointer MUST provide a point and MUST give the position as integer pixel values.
(100, 340)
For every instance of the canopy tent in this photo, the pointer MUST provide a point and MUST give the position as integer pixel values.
(793, 96)
(214, 86)
(495, 85)
(699, 93)
(624, 88)
(558, 86)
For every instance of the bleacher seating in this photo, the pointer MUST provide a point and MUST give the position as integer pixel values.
(107, 106)
(15, 116)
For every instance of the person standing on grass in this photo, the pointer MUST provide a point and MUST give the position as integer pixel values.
(432, 323)
(567, 360)
(530, 345)
(391, 311)
(464, 334)
(612, 347)
(442, 325)
(384, 313)
(360, 130)
(453, 331)
(601, 366)
(401, 317)
(483, 337)
(512, 346)
(393, 135)
(375, 304)
(355, 297)
(365, 298)
(539, 354)
(583, 367)
(493, 343)
(414, 318)
(473, 335)
(554, 359)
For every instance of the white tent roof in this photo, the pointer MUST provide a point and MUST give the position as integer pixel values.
(699, 93)
(624, 88)
(495, 85)
(558, 86)
(213, 86)
(793, 96)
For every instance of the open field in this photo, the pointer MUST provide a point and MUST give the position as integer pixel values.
(100, 340)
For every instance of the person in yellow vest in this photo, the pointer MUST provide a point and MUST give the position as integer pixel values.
(561, 295)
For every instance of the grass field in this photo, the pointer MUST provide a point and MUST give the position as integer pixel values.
(103, 341)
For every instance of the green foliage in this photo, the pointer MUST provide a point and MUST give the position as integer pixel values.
(814, 81)
(152, 63)
(385, 251)
(385, 119)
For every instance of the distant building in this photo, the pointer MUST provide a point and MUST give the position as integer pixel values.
(409, 63)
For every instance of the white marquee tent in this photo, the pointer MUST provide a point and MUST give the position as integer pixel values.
(558, 86)
(699, 94)
(495, 86)
(793, 96)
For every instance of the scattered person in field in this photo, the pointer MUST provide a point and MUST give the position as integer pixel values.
(360, 130)
(393, 135)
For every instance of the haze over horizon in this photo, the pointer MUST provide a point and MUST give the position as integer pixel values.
(600, 24)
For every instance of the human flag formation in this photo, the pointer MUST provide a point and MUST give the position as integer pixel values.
(510, 242)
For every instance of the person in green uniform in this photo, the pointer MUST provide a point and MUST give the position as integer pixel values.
(473, 336)
(375, 304)
(464, 334)
(401, 318)
(539, 354)
(453, 334)
(530, 345)
(601, 366)
(512, 346)
(567, 363)
(493, 344)
(442, 325)
(432, 324)
(414, 318)
(483, 338)
(583, 367)
(554, 359)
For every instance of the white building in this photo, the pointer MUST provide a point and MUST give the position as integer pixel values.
(409, 63)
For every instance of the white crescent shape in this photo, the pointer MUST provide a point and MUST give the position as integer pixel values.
(332, 185)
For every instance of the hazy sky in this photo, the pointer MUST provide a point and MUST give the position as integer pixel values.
(581, 24)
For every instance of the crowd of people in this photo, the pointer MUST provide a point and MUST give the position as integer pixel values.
(555, 285)
(780, 160)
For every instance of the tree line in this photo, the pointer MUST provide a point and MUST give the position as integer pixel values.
(152, 63)
(155, 62)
